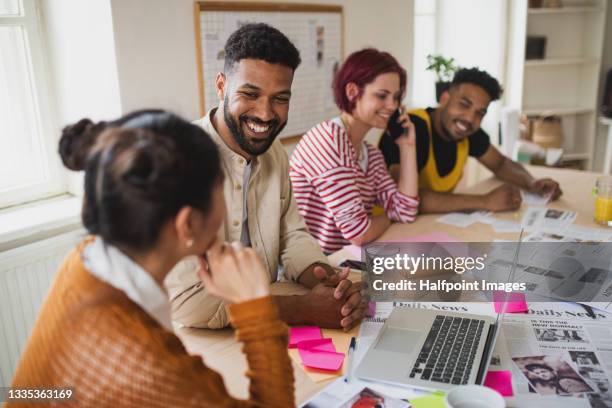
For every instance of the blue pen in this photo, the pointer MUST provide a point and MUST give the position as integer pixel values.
(349, 363)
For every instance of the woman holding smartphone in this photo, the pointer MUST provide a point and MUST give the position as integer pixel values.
(337, 177)
(153, 195)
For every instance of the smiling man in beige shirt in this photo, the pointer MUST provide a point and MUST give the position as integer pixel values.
(254, 92)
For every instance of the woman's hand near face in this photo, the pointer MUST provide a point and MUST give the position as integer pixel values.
(408, 182)
(234, 273)
(408, 138)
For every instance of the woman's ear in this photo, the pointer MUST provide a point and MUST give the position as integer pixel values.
(183, 225)
(351, 91)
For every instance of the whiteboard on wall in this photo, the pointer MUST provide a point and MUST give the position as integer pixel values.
(315, 30)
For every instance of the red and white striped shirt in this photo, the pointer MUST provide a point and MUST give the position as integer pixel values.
(334, 194)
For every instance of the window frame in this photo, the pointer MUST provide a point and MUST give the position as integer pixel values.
(54, 180)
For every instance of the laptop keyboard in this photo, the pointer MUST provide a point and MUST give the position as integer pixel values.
(449, 350)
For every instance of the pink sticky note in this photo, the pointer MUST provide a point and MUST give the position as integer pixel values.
(515, 302)
(500, 381)
(297, 334)
(371, 309)
(317, 344)
(322, 360)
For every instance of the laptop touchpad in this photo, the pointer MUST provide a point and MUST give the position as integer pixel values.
(398, 340)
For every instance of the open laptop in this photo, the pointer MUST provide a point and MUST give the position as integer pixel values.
(433, 349)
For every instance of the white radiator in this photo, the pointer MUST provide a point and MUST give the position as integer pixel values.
(26, 273)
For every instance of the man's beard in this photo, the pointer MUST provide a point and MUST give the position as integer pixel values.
(241, 139)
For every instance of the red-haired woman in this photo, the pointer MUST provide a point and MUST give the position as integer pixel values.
(337, 177)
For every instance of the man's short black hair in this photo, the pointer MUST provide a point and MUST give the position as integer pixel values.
(479, 78)
(263, 42)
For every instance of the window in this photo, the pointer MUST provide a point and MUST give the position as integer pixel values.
(425, 42)
(29, 164)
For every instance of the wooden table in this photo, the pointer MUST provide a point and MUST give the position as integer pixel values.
(222, 353)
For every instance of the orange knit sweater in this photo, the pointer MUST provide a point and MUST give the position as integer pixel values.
(89, 336)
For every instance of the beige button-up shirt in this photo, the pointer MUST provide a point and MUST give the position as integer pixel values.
(276, 229)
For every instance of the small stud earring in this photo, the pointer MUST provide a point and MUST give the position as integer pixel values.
(189, 243)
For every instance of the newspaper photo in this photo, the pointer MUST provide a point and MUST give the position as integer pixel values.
(547, 218)
(551, 375)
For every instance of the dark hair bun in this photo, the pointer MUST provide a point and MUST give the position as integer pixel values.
(76, 142)
(151, 163)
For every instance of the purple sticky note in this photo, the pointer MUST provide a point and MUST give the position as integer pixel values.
(297, 334)
(515, 302)
(321, 360)
(317, 344)
(500, 381)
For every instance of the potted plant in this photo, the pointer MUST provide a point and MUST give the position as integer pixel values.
(444, 68)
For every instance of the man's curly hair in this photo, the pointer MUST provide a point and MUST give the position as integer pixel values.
(479, 78)
(263, 42)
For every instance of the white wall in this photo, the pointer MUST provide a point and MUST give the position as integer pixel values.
(475, 39)
(606, 64)
(155, 45)
(156, 59)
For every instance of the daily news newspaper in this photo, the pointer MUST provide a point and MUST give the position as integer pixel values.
(558, 354)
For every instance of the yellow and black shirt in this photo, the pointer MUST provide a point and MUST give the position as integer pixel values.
(441, 167)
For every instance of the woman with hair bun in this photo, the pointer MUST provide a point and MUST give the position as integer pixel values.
(338, 178)
(153, 195)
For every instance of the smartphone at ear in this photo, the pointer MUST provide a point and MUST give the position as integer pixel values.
(394, 128)
(354, 264)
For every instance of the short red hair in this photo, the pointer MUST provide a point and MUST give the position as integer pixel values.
(361, 68)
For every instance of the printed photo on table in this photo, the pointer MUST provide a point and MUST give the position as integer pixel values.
(551, 375)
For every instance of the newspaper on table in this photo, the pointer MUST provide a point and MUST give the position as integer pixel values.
(465, 219)
(573, 233)
(558, 355)
(535, 199)
(536, 218)
(560, 267)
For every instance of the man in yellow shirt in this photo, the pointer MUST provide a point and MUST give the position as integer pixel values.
(447, 135)
(254, 93)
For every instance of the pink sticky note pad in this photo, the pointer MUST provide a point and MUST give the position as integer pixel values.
(317, 344)
(297, 334)
(321, 360)
(515, 302)
(500, 381)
